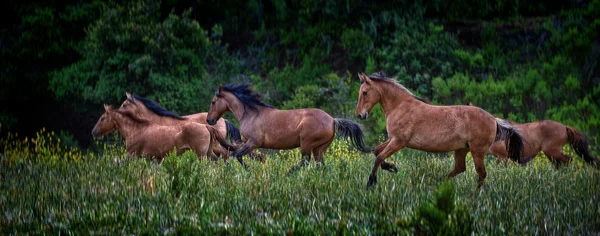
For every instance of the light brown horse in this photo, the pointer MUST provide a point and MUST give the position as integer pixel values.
(150, 110)
(264, 126)
(549, 137)
(412, 123)
(153, 141)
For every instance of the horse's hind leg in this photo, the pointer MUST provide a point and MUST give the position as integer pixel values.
(478, 160)
(459, 162)
(320, 150)
(557, 157)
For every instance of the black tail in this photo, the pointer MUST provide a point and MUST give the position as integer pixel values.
(580, 145)
(349, 129)
(233, 133)
(511, 137)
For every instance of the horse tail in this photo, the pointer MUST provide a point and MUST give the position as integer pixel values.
(349, 129)
(233, 133)
(217, 136)
(580, 145)
(511, 137)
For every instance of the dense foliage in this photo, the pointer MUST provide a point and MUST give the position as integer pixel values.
(47, 189)
(524, 61)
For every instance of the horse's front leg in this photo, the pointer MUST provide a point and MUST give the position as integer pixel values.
(385, 165)
(393, 146)
(247, 148)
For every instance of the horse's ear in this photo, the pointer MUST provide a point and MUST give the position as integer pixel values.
(219, 90)
(469, 103)
(365, 79)
(106, 107)
(128, 95)
(360, 78)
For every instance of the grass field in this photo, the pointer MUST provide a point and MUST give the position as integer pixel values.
(44, 189)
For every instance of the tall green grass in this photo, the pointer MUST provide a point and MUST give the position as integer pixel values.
(99, 193)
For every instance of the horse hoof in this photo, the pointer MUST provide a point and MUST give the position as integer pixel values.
(372, 181)
(389, 167)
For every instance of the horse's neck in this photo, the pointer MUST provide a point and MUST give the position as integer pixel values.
(242, 113)
(251, 115)
(127, 126)
(393, 98)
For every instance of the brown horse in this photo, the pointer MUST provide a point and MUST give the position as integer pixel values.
(150, 110)
(548, 136)
(147, 109)
(264, 126)
(412, 123)
(153, 141)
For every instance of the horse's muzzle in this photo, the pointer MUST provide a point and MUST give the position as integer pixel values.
(95, 134)
(363, 116)
(211, 121)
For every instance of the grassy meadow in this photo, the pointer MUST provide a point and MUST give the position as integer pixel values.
(46, 188)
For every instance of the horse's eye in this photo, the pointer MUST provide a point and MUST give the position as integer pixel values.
(213, 102)
(365, 93)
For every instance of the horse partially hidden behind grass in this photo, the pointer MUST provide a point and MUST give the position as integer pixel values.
(146, 139)
(150, 110)
(549, 137)
(412, 123)
(265, 126)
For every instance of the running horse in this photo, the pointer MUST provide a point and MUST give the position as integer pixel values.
(547, 136)
(146, 139)
(412, 123)
(154, 112)
(264, 126)
(150, 110)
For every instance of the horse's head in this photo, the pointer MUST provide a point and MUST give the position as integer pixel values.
(130, 104)
(368, 96)
(104, 125)
(218, 107)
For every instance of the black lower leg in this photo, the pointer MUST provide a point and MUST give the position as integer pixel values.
(389, 167)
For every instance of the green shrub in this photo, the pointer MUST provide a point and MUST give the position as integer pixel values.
(441, 215)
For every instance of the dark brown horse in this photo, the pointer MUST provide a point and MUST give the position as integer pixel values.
(264, 126)
(153, 141)
(412, 123)
(549, 137)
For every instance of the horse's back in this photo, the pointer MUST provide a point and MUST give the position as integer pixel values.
(221, 126)
(443, 128)
(549, 133)
(286, 129)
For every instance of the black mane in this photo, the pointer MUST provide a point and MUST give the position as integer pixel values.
(156, 108)
(381, 76)
(248, 96)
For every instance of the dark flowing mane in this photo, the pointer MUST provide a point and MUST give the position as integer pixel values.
(248, 96)
(381, 76)
(156, 108)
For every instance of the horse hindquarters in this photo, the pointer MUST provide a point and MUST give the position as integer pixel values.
(579, 143)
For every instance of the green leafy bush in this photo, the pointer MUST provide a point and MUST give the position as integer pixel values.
(441, 215)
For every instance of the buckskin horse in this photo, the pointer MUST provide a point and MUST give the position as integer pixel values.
(153, 141)
(549, 137)
(265, 126)
(412, 123)
(150, 110)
